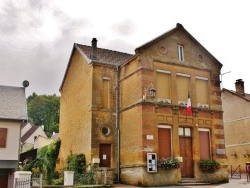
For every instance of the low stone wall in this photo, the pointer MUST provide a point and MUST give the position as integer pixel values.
(139, 176)
(105, 176)
(220, 176)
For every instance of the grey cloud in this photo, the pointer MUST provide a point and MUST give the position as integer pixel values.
(9, 19)
(120, 45)
(38, 5)
(125, 27)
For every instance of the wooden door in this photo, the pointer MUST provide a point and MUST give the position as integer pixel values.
(3, 178)
(105, 155)
(186, 152)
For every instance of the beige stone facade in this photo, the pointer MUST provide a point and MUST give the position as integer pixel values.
(236, 106)
(128, 121)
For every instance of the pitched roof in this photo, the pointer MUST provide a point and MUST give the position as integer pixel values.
(105, 56)
(12, 103)
(54, 136)
(29, 133)
(246, 97)
(178, 27)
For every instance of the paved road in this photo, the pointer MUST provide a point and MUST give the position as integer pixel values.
(233, 183)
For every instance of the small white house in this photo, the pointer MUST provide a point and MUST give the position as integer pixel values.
(29, 134)
(13, 115)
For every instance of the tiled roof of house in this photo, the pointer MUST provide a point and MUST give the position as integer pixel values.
(246, 97)
(105, 56)
(12, 103)
(29, 133)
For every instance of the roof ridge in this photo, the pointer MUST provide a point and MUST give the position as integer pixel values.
(105, 49)
(237, 94)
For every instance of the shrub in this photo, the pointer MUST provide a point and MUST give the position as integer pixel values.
(209, 166)
(88, 177)
(168, 163)
(77, 164)
(45, 161)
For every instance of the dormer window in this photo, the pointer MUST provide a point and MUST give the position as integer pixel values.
(180, 49)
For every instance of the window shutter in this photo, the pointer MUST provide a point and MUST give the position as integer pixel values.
(182, 84)
(163, 85)
(202, 91)
(3, 137)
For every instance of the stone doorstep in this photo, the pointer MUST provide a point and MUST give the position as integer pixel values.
(192, 181)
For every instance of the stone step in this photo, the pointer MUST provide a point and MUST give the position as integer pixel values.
(192, 181)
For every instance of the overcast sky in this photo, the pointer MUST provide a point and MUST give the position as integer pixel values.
(37, 36)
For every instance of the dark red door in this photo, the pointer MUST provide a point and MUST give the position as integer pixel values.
(105, 155)
(3, 178)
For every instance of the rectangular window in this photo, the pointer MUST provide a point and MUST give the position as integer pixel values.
(183, 85)
(3, 137)
(106, 92)
(185, 131)
(201, 91)
(164, 141)
(180, 52)
(163, 84)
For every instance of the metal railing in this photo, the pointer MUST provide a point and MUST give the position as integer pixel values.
(33, 182)
(236, 172)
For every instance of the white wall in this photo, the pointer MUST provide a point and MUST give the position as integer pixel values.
(12, 144)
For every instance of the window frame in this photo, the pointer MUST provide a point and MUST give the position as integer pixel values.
(180, 49)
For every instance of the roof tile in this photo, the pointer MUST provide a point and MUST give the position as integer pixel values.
(13, 103)
(106, 56)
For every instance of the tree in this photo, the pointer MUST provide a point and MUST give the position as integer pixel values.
(44, 110)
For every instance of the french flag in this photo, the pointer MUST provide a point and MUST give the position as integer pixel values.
(189, 108)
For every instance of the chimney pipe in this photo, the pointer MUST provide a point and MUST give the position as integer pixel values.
(94, 48)
(239, 87)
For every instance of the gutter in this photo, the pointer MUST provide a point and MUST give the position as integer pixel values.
(117, 123)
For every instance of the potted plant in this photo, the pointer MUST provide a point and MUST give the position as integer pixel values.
(168, 163)
(209, 166)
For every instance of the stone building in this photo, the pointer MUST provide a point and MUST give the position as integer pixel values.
(236, 116)
(120, 109)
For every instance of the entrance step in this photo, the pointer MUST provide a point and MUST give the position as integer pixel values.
(192, 181)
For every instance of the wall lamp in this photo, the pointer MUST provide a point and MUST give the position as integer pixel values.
(149, 91)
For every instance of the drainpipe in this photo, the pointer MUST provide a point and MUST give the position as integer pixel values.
(117, 122)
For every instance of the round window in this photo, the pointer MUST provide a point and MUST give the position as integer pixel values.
(105, 131)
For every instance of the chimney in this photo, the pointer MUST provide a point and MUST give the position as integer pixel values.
(239, 86)
(94, 48)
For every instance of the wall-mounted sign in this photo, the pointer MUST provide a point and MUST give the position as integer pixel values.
(150, 137)
(151, 162)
